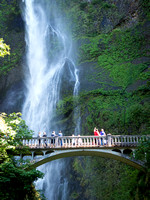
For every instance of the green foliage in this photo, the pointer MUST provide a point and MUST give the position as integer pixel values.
(122, 58)
(143, 178)
(145, 4)
(99, 16)
(4, 48)
(103, 4)
(15, 182)
(94, 2)
(117, 111)
(8, 13)
(101, 178)
(143, 152)
(66, 106)
(83, 5)
(11, 61)
(82, 14)
(116, 53)
(12, 128)
(9, 9)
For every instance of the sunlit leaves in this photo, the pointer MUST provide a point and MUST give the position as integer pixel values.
(12, 171)
(12, 127)
(4, 48)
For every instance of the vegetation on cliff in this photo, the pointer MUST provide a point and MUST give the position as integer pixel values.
(12, 30)
(109, 179)
(114, 35)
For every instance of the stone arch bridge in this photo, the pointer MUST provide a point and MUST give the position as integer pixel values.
(118, 147)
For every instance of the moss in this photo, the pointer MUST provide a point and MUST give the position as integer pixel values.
(12, 31)
(83, 14)
(116, 53)
(101, 178)
(119, 112)
(98, 17)
(145, 4)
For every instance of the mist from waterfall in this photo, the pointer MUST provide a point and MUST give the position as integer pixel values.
(48, 49)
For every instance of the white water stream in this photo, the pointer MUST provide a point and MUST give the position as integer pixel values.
(48, 49)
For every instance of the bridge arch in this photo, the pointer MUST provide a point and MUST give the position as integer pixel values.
(127, 151)
(88, 152)
(117, 150)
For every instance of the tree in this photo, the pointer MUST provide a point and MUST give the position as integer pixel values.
(143, 178)
(15, 182)
(4, 48)
(143, 152)
(12, 128)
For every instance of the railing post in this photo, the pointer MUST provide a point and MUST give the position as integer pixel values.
(32, 155)
(109, 139)
(44, 153)
(69, 142)
(21, 156)
(133, 152)
(56, 141)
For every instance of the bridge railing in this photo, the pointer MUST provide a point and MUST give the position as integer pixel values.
(65, 141)
(127, 140)
(84, 141)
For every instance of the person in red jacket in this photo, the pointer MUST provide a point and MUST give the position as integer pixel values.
(96, 133)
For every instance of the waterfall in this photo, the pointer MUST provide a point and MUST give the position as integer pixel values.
(48, 49)
(77, 117)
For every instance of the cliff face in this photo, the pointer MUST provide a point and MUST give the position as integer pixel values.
(113, 44)
(96, 17)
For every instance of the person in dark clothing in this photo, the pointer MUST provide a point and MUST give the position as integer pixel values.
(45, 141)
(39, 138)
(60, 140)
(53, 135)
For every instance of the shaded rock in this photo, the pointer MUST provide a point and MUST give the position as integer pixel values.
(106, 24)
(141, 60)
(136, 85)
(13, 100)
(16, 23)
(92, 78)
(68, 79)
(13, 76)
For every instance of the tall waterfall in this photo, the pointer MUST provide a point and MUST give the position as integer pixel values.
(48, 49)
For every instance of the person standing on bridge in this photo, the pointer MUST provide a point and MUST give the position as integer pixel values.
(96, 133)
(45, 142)
(104, 134)
(53, 140)
(60, 140)
(73, 140)
(39, 138)
(79, 140)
